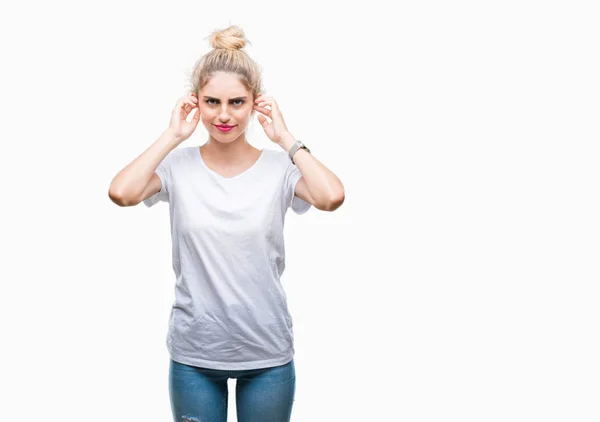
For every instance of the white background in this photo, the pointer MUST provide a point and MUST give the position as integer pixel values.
(458, 281)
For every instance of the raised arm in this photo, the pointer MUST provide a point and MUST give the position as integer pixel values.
(138, 180)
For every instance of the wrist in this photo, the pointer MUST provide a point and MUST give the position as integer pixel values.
(287, 141)
(171, 135)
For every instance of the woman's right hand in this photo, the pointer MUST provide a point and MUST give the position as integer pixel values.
(181, 128)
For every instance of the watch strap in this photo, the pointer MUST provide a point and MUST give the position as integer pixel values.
(297, 145)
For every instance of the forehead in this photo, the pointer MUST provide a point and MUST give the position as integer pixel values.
(225, 85)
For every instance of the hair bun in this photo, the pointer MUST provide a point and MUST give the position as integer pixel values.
(231, 38)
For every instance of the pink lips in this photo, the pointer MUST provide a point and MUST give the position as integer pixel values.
(224, 128)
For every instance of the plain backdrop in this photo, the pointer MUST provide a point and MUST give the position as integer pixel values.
(458, 281)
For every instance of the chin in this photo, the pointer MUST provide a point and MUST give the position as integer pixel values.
(225, 137)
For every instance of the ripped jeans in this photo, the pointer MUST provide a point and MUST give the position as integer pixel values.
(201, 394)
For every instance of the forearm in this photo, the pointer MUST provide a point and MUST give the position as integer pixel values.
(131, 181)
(324, 186)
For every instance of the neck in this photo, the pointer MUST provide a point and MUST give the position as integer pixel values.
(230, 152)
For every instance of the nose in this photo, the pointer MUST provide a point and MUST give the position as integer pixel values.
(224, 115)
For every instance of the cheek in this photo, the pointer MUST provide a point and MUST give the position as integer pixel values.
(244, 115)
(243, 118)
(207, 115)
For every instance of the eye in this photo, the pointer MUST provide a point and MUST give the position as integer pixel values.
(236, 102)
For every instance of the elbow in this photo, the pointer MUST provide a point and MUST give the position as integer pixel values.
(116, 195)
(334, 203)
(119, 199)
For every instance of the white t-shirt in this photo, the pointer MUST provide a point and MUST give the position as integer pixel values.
(230, 310)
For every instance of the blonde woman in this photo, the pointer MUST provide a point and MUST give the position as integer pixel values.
(227, 202)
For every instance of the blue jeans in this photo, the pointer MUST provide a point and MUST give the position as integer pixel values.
(201, 395)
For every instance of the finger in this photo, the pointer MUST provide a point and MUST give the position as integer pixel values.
(270, 103)
(196, 116)
(263, 110)
(264, 97)
(186, 109)
(187, 103)
(264, 100)
(186, 99)
(263, 120)
(265, 105)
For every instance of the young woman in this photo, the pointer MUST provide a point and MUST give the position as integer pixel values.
(227, 202)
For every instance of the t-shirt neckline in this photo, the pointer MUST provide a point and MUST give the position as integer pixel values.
(208, 169)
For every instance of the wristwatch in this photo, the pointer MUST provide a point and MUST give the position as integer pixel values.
(295, 148)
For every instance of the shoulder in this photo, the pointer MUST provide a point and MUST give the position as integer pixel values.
(179, 154)
(275, 154)
(185, 151)
(278, 158)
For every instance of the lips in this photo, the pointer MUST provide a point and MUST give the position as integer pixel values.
(224, 128)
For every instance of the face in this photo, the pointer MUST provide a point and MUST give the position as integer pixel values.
(225, 101)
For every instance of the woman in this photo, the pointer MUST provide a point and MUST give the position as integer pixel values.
(227, 202)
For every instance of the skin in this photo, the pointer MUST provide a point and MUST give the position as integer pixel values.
(221, 101)
(218, 103)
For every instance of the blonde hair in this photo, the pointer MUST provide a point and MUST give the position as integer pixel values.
(227, 56)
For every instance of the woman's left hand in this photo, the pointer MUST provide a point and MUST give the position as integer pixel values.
(275, 129)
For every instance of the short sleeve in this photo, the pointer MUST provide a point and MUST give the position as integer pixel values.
(163, 171)
(292, 176)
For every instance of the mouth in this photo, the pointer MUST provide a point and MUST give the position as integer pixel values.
(224, 128)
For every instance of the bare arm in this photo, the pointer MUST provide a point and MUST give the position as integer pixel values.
(138, 180)
(318, 185)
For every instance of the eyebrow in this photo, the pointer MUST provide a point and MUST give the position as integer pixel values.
(206, 97)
